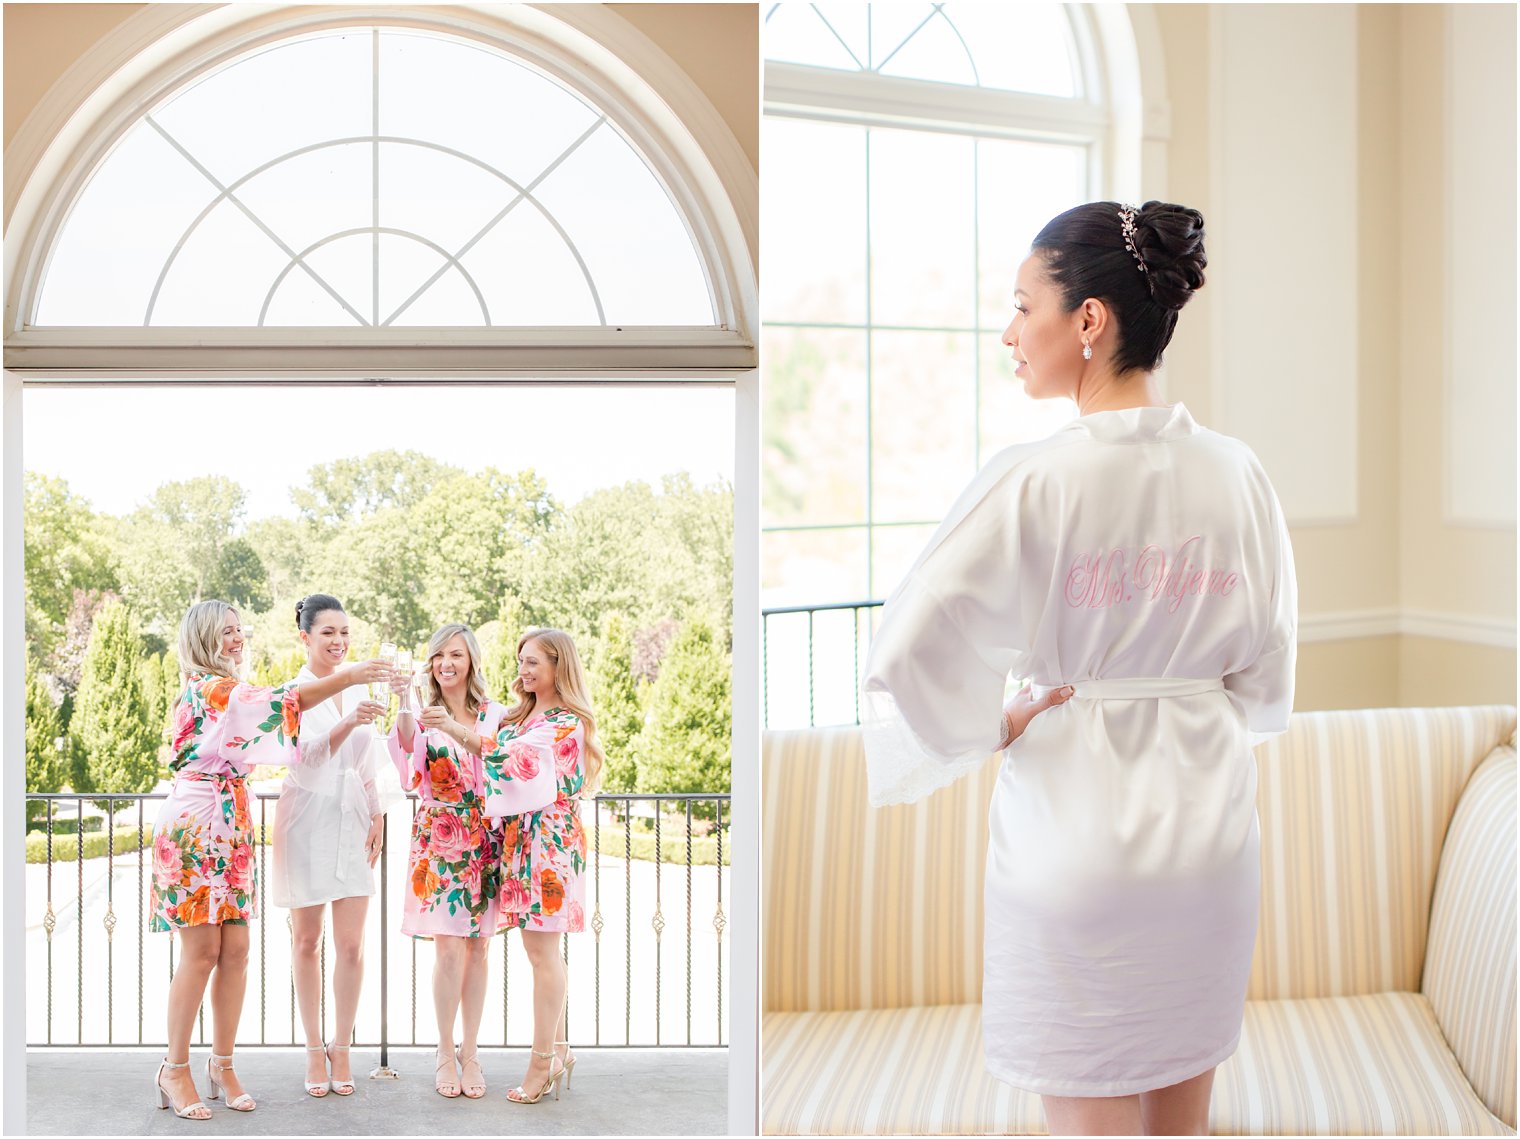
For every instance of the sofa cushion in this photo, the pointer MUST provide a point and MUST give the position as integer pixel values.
(1366, 1065)
(1470, 961)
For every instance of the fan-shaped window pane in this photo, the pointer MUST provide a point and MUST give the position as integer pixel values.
(372, 177)
(1008, 47)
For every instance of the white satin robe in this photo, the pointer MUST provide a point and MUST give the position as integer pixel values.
(1144, 560)
(326, 804)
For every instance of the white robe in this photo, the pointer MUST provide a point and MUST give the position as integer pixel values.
(1145, 561)
(326, 804)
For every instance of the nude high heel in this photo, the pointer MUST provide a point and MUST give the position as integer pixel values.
(517, 1095)
(567, 1062)
(240, 1102)
(340, 1087)
(165, 1100)
(317, 1088)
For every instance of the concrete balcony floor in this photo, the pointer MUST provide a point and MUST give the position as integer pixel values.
(634, 1091)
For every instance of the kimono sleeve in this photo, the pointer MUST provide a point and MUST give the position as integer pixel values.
(932, 696)
(382, 785)
(312, 768)
(520, 774)
(259, 725)
(1264, 688)
(409, 764)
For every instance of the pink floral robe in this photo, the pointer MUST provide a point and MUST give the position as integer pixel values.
(543, 851)
(454, 866)
(203, 857)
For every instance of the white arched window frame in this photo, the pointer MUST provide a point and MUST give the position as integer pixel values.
(613, 66)
(670, 123)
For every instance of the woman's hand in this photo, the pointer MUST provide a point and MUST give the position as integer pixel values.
(437, 716)
(375, 839)
(368, 672)
(399, 683)
(367, 712)
(1024, 706)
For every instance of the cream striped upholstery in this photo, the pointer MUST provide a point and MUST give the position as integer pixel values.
(1354, 807)
(867, 908)
(1470, 963)
(1369, 1065)
(872, 954)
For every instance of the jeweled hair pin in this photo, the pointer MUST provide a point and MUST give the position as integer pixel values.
(1127, 227)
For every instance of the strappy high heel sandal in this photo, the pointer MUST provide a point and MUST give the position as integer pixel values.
(240, 1102)
(439, 1083)
(340, 1087)
(166, 1100)
(317, 1088)
(517, 1095)
(466, 1083)
(566, 1062)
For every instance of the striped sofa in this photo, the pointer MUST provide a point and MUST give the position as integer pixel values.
(1382, 994)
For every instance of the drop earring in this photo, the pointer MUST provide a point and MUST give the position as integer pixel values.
(1086, 350)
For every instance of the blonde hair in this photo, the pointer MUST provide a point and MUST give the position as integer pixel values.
(570, 680)
(200, 640)
(475, 686)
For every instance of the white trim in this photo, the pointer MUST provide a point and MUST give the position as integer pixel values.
(744, 830)
(12, 743)
(1355, 624)
(588, 47)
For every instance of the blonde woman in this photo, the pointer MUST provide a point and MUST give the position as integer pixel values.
(327, 834)
(549, 730)
(454, 868)
(204, 886)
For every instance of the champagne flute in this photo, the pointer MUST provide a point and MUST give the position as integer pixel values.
(419, 685)
(404, 668)
(381, 692)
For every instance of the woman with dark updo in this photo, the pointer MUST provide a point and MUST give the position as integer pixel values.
(1135, 567)
(328, 829)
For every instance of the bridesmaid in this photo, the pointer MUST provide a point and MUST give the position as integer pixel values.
(327, 835)
(204, 884)
(549, 729)
(454, 868)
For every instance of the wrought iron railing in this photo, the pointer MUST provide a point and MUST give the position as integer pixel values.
(811, 657)
(669, 851)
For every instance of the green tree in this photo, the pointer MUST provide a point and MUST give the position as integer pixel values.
(347, 490)
(113, 725)
(686, 744)
(65, 550)
(293, 555)
(239, 577)
(46, 766)
(615, 698)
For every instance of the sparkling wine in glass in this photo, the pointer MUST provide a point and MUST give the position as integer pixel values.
(380, 692)
(419, 685)
(404, 668)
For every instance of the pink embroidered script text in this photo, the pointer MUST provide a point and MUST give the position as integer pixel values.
(1116, 576)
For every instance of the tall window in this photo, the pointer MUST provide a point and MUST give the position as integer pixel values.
(912, 151)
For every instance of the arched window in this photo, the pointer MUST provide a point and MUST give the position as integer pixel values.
(374, 176)
(911, 153)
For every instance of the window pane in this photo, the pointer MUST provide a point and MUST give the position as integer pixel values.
(922, 229)
(821, 35)
(893, 550)
(923, 422)
(812, 567)
(815, 427)
(1008, 416)
(290, 131)
(813, 223)
(1020, 187)
(1019, 47)
(812, 669)
(915, 41)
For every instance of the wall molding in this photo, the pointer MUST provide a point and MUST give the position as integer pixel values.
(1356, 624)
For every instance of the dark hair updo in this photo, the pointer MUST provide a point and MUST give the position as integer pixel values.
(308, 608)
(1086, 256)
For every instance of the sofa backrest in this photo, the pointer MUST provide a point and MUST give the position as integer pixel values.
(1470, 960)
(881, 908)
(1354, 809)
(867, 908)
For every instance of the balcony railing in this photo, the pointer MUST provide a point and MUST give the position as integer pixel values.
(812, 660)
(655, 875)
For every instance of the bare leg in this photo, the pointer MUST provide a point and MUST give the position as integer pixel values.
(472, 1005)
(1092, 1115)
(199, 947)
(348, 978)
(306, 972)
(548, 1005)
(1182, 1109)
(448, 980)
(228, 984)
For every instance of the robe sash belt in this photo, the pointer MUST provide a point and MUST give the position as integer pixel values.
(1143, 688)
